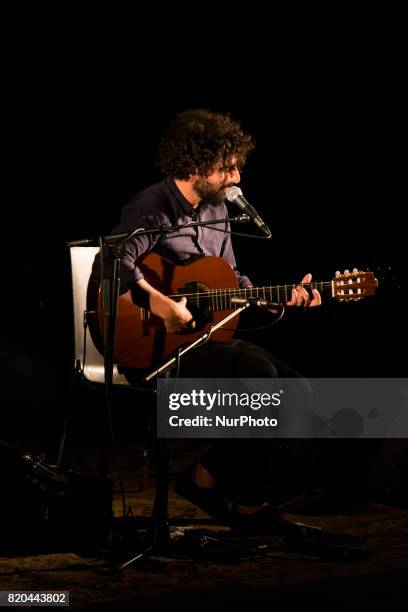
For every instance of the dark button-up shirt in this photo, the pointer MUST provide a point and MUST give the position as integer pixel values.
(163, 203)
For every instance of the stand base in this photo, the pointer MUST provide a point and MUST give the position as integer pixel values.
(220, 546)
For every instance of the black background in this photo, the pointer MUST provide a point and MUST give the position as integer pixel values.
(81, 132)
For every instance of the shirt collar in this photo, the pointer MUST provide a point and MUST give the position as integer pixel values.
(185, 204)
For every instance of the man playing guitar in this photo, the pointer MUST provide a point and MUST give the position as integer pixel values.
(201, 154)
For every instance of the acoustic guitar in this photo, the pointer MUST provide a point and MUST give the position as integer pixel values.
(209, 284)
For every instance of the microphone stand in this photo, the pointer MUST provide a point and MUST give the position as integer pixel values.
(118, 240)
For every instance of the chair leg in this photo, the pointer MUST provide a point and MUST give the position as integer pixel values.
(61, 447)
(147, 456)
(76, 378)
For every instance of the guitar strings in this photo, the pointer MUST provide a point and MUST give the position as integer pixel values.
(267, 288)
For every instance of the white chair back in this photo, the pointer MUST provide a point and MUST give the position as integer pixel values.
(81, 266)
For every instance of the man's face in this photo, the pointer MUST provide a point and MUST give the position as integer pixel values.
(212, 188)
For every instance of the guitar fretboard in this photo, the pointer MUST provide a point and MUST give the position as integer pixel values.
(220, 299)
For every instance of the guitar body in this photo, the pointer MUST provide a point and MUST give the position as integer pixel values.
(141, 338)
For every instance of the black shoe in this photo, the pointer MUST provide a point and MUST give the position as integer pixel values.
(266, 521)
(209, 500)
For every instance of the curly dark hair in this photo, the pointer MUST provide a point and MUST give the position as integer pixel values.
(196, 140)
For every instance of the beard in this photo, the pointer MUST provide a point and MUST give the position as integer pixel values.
(209, 193)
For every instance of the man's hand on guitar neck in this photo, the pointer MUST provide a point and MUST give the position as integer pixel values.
(301, 297)
(175, 315)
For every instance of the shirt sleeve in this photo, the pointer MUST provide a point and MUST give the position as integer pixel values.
(136, 246)
(133, 216)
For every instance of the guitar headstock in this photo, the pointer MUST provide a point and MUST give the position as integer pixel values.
(354, 285)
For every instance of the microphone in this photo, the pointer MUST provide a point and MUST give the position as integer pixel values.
(273, 307)
(234, 194)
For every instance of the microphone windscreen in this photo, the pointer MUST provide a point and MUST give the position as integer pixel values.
(233, 192)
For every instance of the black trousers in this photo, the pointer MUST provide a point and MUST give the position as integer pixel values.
(247, 468)
(266, 469)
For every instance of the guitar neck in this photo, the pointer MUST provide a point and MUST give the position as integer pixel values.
(220, 299)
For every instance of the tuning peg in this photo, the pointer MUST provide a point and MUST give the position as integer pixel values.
(338, 273)
(355, 270)
(346, 271)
